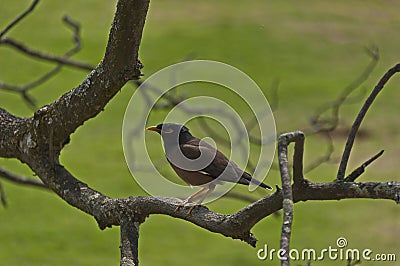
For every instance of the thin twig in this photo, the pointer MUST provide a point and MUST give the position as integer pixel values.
(273, 102)
(45, 56)
(21, 179)
(350, 140)
(23, 89)
(357, 172)
(319, 124)
(19, 18)
(3, 199)
(325, 157)
(326, 124)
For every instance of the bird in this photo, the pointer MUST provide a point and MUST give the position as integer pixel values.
(198, 163)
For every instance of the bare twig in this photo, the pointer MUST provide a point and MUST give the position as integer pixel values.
(3, 199)
(357, 172)
(325, 125)
(23, 89)
(21, 179)
(45, 56)
(273, 102)
(325, 157)
(19, 18)
(360, 117)
(319, 124)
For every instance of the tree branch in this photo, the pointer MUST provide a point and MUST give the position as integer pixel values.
(19, 18)
(357, 122)
(358, 171)
(21, 179)
(239, 224)
(38, 141)
(319, 124)
(129, 242)
(64, 60)
(287, 194)
(13, 137)
(23, 89)
(3, 199)
(119, 65)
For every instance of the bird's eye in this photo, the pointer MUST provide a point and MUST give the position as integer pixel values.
(168, 130)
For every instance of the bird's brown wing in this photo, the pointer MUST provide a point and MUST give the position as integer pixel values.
(220, 166)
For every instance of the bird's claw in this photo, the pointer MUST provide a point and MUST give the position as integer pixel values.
(183, 203)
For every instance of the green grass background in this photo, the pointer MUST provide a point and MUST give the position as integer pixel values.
(315, 48)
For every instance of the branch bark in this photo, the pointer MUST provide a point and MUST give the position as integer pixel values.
(129, 242)
(287, 192)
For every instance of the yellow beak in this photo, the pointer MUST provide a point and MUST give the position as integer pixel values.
(153, 128)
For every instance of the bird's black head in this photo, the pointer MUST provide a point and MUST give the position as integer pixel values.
(169, 128)
(172, 131)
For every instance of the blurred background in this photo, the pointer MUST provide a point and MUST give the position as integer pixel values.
(302, 54)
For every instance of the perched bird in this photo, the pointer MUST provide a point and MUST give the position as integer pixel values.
(198, 163)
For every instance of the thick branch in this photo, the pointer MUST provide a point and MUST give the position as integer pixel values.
(72, 109)
(14, 137)
(119, 65)
(37, 141)
(129, 242)
(109, 211)
(238, 225)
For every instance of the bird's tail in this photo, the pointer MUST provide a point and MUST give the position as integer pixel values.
(246, 179)
(262, 185)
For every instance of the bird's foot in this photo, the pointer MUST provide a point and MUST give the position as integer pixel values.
(183, 203)
(191, 208)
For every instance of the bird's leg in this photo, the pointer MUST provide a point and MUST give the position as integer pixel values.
(189, 198)
(210, 189)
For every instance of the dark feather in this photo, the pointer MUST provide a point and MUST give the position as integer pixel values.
(178, 140)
